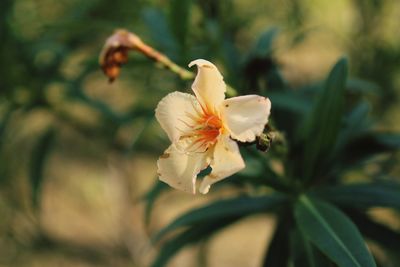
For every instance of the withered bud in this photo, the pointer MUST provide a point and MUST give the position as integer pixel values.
(115, 52)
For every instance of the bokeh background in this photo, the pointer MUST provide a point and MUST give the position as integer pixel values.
(78, 155)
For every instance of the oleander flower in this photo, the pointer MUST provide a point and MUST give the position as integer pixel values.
(203, 127)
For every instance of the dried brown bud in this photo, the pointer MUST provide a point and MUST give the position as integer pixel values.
(115, 52)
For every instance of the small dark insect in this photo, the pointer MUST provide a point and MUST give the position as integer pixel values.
(263, 141)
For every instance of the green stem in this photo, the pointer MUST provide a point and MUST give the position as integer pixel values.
(166, 62)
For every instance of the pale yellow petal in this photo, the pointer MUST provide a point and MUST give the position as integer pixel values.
(209, 86)
(245, 116)
(179, 169)
(175, 113)
(226, 161)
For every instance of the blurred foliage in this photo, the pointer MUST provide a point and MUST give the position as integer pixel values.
(336, 157)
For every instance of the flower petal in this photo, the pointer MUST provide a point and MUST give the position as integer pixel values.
(226, 161)
(245, 116)
(175, 113)
(209, 86)
(179, 169)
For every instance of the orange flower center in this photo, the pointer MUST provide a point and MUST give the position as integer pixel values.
(210, 129)
(205, 132)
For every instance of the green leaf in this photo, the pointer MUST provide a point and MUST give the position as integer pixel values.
(179, 15)
(362, 87)
(151, 197)
(305, 254)
(324, 124)
(263, 47)
(38, 160)
(190, 236)
(383, 235)
(278, 250)
(355, 123)
(290, 101)
(332, 232)
(160, 32)
(368, 195)
(239, 206)
(366, 146)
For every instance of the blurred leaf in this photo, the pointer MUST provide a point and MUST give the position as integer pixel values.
(375, 231)
(275, 79)
(238, 207)
(323, 128)
(179, 15)
(303, 253)
(278, 249)
(37, 164)
(367, 146)
(259, 67)
(362, 86)
(289, 101)
(366, 195)
(192, 235)
(259, 172)
(6, 118)
(151, 197)
(263, 47)
(332, 232)
(160, 32)
(355, 124)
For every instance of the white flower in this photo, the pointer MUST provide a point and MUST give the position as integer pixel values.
(201, 129)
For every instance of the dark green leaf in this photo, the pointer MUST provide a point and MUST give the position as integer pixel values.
(259, 172)
(38, 160)
(179, 15)
(332, 232)
(151, 197)
(289, 101)
(375, 231)
(275, 80)
(190, 236)
(3, 124)
(355, 124)
(305, 254)
(239, 206)
(160, 32)
(362, 86)
(263, 47)
(366, 146)
(366, 195)
(324, 124)
(278, 250)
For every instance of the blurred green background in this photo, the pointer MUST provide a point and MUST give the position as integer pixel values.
(79, 154)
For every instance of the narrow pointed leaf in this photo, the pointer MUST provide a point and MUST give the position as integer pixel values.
(380, 233)
(157, 23)
(190, 236)
(377, 194)
(151, 197)
(332, 232)
(37, 164)
(355, 124)
(240, 206)
(324, 123)
(305, 254)
(179, 15)
(278, 250)
(367, 146)
(264, 45)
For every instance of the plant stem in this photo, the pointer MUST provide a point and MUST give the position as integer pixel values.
(114, 55)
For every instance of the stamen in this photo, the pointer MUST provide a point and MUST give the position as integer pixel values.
(203, 130)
